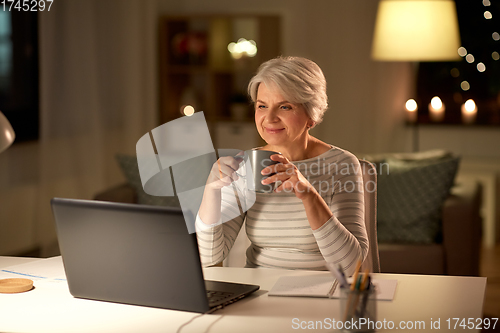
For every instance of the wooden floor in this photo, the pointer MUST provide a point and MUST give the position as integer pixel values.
(490, 268)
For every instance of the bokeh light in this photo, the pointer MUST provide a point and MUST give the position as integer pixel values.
(188, 110)
(470, 106)
(465, 85)
(242, 47)
(436, 102)
(411, 105)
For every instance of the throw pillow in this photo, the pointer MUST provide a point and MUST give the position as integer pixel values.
(130, 169)
(410, 196)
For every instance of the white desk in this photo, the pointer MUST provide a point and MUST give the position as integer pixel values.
(417, 298)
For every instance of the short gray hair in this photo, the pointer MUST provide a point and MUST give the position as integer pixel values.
(299, 80)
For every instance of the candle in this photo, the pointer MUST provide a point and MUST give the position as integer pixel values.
(411, 110)
(436, 109)
(469, 112)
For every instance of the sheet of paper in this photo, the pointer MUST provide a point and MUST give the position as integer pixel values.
(318, 285)
(47, 272)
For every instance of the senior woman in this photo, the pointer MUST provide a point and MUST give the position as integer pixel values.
(316, 214)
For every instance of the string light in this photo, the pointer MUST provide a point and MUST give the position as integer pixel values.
(481, 67)
(465, 85)
(462, 51)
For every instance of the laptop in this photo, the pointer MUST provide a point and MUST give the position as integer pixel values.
(136, 254)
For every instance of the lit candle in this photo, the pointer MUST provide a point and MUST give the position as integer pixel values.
(436, 109)
(411, 110)
(469, 112)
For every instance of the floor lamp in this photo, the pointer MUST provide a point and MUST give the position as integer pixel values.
(7, 134)
(416, 31)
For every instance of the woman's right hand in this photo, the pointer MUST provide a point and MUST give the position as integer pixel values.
(223, 172)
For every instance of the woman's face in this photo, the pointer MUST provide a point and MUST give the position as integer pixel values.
(279, 122)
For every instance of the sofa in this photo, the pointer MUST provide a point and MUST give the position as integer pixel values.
(459, 251)
(453, 249)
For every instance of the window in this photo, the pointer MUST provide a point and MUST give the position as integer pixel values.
(476, 76)
(19, 72)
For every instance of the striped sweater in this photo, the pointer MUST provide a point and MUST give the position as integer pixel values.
(277, 226)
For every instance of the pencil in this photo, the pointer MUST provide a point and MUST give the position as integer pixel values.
(365, 298)
(355, 276)
(362, 286)
(353, 286)
(365, 279)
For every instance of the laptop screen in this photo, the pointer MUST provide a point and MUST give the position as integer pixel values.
(132, 254)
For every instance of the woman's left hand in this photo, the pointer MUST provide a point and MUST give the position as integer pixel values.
(291, 178)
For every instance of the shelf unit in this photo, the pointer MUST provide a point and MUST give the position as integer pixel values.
(197, 69)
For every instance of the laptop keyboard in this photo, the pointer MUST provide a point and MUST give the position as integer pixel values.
(217, 296)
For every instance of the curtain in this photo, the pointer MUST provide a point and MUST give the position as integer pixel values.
(98, 97)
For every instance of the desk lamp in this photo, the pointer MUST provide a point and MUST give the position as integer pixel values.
(415, 31)
(7, 134)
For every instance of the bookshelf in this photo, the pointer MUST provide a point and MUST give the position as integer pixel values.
(197, 69)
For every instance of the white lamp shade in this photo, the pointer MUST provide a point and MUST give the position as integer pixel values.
(7, 134)
(416, 30)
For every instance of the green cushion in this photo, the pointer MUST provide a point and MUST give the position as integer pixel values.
(410, 196)
(128, 165)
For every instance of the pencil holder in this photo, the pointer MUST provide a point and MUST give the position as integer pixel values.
(358, 310)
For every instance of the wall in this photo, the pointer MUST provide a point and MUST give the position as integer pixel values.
(468, 141)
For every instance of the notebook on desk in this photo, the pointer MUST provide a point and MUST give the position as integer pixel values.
(136, 254)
